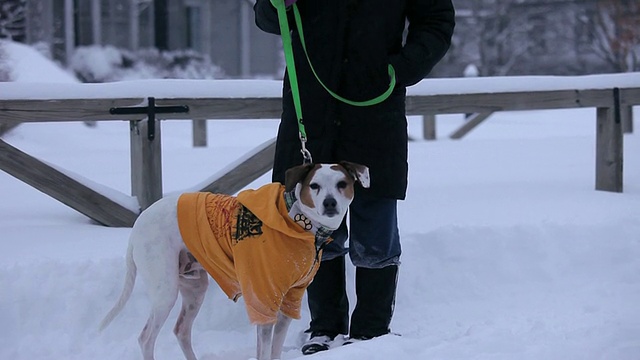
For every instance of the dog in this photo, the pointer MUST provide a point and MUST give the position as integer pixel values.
(264, 244)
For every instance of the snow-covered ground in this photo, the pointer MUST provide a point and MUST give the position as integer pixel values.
(509, 252)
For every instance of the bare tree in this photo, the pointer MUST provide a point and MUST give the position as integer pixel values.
(508, 35)
(13, 20)
(617, 33)
(4, 68)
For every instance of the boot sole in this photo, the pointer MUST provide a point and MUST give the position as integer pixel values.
(309, 349)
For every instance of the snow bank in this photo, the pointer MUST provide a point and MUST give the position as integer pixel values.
(27, 65)
(522, 292)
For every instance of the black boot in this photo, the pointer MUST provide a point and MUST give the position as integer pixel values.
(328, 304)
(376, 292)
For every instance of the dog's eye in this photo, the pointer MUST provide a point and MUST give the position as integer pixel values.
(314, 186)
(341, 185)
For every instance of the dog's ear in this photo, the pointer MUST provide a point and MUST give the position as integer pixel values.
(295, 175)
(359, 172)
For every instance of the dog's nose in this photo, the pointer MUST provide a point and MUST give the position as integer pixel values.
(330, 206)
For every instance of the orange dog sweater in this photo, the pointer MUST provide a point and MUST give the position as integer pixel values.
(251, 247)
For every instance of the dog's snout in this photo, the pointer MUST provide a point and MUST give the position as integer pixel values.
(330, 205)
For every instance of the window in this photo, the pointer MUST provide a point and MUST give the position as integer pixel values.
(194, 27)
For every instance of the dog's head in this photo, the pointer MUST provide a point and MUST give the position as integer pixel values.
(326, 190)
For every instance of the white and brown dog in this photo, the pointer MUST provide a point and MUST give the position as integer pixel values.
(264, 244)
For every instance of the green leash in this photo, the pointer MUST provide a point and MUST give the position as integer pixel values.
(377, 100)
(293, 78)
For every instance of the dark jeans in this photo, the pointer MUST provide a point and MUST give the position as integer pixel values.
(373, 236)
(374, 248)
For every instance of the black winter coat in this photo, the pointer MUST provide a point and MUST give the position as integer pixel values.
(350, 43)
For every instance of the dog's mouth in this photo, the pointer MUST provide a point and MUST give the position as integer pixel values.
(330, 212)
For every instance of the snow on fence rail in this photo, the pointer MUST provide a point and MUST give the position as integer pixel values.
(145, 102)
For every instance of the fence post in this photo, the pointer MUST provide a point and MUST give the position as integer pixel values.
(146, 162)
(626, 113)
(609, 154)
(199, 128)
(429, 127)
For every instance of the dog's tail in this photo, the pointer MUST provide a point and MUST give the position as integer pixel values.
(130, 280)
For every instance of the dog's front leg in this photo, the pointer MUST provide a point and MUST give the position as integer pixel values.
(279, 335)
(265, 338)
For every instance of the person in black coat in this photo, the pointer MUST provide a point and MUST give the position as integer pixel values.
(350, 44)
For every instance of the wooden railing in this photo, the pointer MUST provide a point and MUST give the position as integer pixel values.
(144, 103)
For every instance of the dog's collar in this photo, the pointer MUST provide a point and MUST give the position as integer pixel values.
(322, 233)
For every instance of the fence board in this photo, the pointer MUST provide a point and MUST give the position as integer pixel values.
(66, 110)
(63, 188)
(470, 124)
(245, 172)
(225, 108)
(630, 96)
(507, 101)
(146, 160)
(271, 108)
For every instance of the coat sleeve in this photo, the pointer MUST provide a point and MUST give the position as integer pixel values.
(431, 24)
(266, 17)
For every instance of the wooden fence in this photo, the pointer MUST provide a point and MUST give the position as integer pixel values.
(20, 104)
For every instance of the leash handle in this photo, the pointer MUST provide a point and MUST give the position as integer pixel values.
(378, 99)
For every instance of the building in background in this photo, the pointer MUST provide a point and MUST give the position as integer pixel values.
(222, 29)
(499, 37)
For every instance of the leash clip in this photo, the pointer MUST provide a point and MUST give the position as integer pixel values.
(306, 154)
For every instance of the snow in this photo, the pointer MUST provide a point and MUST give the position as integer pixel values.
(20, 60)
(159, 88)
(53, 84)
(508, 251)
(185, 88)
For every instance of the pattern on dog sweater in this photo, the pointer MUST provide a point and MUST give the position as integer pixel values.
(251, 247)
